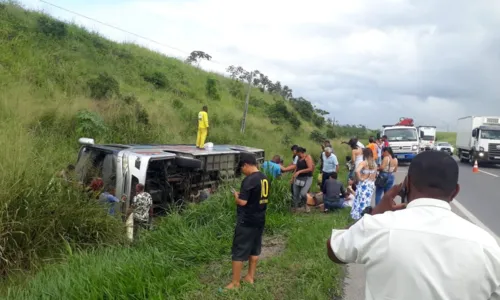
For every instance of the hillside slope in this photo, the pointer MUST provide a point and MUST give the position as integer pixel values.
(59, 82)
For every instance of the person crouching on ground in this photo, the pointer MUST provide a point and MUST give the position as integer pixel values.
(335, 193)
(273, 167)
(251, 203)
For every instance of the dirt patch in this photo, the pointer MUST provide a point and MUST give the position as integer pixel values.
(272, 246)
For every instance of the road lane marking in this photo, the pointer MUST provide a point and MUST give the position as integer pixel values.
(488, 173)
(474, 219)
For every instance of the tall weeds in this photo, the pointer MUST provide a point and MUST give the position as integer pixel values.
(165, 261)
(59, 82)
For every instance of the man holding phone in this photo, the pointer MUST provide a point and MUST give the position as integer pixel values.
(421, 249)
(251, 203)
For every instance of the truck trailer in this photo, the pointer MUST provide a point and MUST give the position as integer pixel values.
(478, 138)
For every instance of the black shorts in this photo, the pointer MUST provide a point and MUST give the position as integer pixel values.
(247, 242)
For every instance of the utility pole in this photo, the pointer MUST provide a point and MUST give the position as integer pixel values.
(243, 122)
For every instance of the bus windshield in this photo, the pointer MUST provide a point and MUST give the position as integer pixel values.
(401, 134)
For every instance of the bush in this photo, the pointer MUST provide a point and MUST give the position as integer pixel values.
(51, 221)
(129, 99)
(141, 115)
(89, 123)
(330, 133)
(177, 104)
(278, 112)
(211, 89)
(294, 120)
(158, 79)
(104, 86)
(237, 90)
(317, 136)
(52, 27)
(286, 140)
(318, 121)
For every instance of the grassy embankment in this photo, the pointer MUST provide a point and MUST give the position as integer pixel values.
(58, 83)
(450, 137)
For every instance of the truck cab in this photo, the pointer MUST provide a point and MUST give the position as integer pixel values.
(478, 139)
(427, 137)
(404, 141)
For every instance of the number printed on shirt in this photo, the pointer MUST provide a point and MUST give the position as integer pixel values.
(264, 191)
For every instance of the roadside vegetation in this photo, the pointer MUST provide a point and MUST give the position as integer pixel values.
(187, 257)
(450, 137)
(59, 82)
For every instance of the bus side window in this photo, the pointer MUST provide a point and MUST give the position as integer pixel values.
(135, 181)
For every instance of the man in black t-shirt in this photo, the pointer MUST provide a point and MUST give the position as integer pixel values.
(251, 203)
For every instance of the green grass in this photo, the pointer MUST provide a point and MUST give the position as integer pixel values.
(187, 256)
(59, 82)
(450, 137)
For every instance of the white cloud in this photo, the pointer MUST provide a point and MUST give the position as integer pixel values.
(365, 61)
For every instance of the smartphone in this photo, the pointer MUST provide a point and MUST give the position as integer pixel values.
(403, 193)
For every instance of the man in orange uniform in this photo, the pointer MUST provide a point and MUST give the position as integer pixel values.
(373, 146)
(202, 128)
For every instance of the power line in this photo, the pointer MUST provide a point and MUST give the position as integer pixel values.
(131, 33)
(122, 30)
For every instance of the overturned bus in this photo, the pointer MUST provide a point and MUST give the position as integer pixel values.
(170, 173)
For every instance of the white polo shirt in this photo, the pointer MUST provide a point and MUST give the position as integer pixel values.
(424, 252)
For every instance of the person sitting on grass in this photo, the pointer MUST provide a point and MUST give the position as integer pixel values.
(251, 203)
(335, 193)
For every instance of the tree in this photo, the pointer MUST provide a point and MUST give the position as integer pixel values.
(196, 56)
(321, 112)
(238, 73)
(286, 92)
(303, 107)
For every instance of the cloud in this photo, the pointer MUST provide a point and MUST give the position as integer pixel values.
(364, 61)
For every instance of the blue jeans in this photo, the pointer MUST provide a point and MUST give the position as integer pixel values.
(333, 204)
(380, 190)
(351, 175)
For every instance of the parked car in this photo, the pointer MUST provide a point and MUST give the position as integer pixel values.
(444, 146)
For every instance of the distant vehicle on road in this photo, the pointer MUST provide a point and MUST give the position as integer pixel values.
(403, 138)
(478, 138)
(427, 137)
(444, 146)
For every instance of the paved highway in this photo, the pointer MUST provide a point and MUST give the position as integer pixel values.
(478, 202)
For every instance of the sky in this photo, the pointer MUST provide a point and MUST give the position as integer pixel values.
(365, 61)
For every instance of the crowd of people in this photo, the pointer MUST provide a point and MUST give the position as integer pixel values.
(371, 172)
(419, 249)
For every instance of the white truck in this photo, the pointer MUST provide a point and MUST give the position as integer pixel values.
(403, 139)
(478, 138)
(427, 137)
